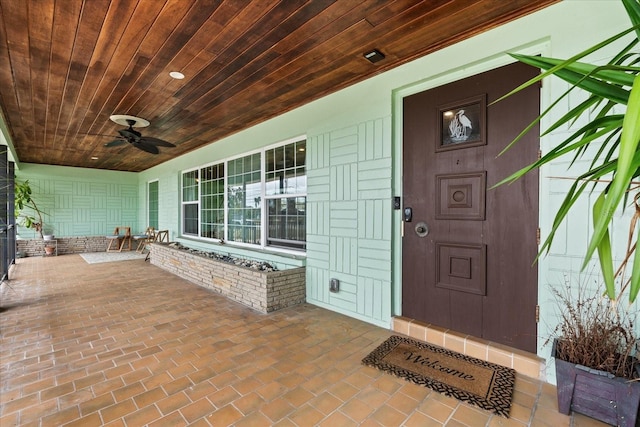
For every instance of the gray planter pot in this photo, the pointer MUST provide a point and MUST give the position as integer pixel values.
(597, 394)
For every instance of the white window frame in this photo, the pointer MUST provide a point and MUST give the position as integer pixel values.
(149, 202)
(280, 196)
(183, 203)
(226, 199)
(263, 203)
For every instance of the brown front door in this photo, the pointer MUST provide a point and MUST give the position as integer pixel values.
(468, 250)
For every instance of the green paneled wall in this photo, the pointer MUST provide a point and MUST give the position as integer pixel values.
(82, 202)
(349, 219)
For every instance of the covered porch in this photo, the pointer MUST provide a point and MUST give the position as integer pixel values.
(127, 343)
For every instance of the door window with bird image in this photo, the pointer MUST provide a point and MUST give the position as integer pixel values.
(462, 124)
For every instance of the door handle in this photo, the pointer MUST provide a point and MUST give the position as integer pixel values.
(422, 229)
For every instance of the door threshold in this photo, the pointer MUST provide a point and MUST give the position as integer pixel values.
(523, 362)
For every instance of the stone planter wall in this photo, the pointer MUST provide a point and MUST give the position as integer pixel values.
(66, 245)
(262, 291)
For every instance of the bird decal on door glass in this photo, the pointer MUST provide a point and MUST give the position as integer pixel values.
(460, 127)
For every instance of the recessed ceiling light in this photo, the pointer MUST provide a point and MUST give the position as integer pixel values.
(94, 158)
(176, 75)
(374, 56)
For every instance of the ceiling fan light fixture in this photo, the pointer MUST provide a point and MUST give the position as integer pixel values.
(373, 56)
(176, 75)
(124, 120)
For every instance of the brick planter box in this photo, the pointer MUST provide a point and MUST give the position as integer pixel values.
(261, 291)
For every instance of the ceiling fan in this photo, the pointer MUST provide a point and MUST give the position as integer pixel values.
(135, 138)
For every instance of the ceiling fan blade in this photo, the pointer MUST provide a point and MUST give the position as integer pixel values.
(115, 143)
(156, 141)
(146, 147)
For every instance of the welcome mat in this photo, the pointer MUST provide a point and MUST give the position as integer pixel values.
(99, 257)
(483, 384)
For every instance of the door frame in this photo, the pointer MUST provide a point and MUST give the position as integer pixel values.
(467, 70)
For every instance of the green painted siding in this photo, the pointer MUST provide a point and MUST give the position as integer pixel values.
(81, 202)
(349, 219)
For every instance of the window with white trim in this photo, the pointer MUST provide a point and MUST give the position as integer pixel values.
(258, 199)
(244, 195)
(152, 204)
(286, 195)
(212, 201)
(190, 198)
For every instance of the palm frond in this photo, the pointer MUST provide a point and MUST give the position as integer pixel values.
(616, 83)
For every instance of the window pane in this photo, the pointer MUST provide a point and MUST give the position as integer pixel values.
(190, 186)
(244, 195)
(271, 183)
(153, 205)
(289, 176)
(287, 222)
(190, 215)
(289, 156)
(301, 152)
(301, 181)
(279, 152)
(269, 161)
(212, 202)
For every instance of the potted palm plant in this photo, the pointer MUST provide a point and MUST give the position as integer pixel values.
(613, 136)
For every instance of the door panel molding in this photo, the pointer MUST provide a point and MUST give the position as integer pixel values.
(461, 267)
(461, 196)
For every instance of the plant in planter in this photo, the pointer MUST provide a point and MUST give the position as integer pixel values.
(614, 139)
(593, 347)
(23, 200)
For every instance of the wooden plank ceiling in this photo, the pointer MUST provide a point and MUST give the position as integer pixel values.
(67, 65)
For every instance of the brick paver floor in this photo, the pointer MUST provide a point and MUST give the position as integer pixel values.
(128, 344)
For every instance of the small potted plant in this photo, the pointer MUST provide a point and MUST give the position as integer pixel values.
(595, 347)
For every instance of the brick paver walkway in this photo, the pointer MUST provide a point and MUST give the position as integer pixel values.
(128, 344)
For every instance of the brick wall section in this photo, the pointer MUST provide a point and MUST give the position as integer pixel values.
(261, 291)
(66, 245)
